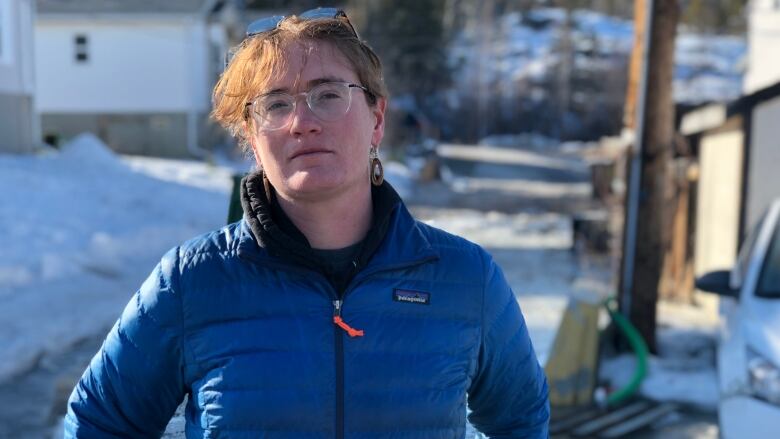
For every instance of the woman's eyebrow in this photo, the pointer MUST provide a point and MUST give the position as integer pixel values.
(309, 84)
(318, 81)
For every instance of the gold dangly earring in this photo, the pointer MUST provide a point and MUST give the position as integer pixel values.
(377, 172)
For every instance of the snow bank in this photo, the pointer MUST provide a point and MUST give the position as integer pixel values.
(80, 230)
(88, 150)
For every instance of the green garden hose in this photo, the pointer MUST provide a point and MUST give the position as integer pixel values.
(639, 347)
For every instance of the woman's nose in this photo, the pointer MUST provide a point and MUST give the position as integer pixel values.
(303, 120)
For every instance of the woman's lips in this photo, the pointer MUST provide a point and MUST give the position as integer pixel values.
(309, 152)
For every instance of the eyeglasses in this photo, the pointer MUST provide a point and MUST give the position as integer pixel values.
(268, 24)
(328, 101)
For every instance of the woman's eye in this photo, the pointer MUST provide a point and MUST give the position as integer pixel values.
(328, 95)
(276, 106)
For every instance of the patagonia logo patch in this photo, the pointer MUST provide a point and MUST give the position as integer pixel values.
(411, 296)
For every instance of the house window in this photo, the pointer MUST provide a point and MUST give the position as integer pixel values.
(82, 46)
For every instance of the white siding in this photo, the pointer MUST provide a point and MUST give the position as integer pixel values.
(763, 43)
(133, 66)
(16, 47)
(717, 212)
(198, 68)
(764, 178)
(27, 45)
(7, 32)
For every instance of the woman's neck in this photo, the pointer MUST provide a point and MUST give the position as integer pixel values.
(331, 223)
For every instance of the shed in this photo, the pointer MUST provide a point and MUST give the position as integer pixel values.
(738, 151)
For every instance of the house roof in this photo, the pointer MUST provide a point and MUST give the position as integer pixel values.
(709, 116)
(747, 102)
(123, 6)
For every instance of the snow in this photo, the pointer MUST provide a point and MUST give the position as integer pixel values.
(684, 369)
(400, 177)
(185, 172)
(80, 230)
(532, 152)
(668, 382)
(707, 67)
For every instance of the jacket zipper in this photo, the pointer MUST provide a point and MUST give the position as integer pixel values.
(338, 331)
(339, 343)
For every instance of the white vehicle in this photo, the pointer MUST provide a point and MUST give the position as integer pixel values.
(749, 345)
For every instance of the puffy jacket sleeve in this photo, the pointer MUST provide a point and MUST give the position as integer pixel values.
(508, 397)
(135, 382)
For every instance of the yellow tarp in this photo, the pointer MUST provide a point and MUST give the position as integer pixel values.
(571, 368)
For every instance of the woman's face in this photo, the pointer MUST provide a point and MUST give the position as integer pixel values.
(312, 159)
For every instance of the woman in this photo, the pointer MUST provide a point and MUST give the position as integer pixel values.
(328, 311)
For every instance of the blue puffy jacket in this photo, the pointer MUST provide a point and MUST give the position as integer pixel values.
(252, 341)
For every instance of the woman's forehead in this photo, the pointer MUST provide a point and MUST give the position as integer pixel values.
(306, 63)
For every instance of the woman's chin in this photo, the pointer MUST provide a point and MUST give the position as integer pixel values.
(314, 183)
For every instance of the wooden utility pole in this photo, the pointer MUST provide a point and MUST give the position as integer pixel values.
(646, 237)
(636, 64)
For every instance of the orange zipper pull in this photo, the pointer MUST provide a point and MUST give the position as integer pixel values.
(341, 324)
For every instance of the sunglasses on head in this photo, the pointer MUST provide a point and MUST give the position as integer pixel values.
(268, 24)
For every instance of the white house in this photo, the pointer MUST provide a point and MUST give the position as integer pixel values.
(19, 127)
(138, 73)
(763, 67)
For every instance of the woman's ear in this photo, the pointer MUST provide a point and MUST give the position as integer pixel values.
(378, 111)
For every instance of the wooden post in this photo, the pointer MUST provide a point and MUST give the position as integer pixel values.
(656, 139)
(674, 283)
(635, 65)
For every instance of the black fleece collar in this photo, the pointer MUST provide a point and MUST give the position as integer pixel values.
(274, 231)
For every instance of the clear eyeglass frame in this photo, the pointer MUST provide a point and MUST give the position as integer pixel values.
(328, 101)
